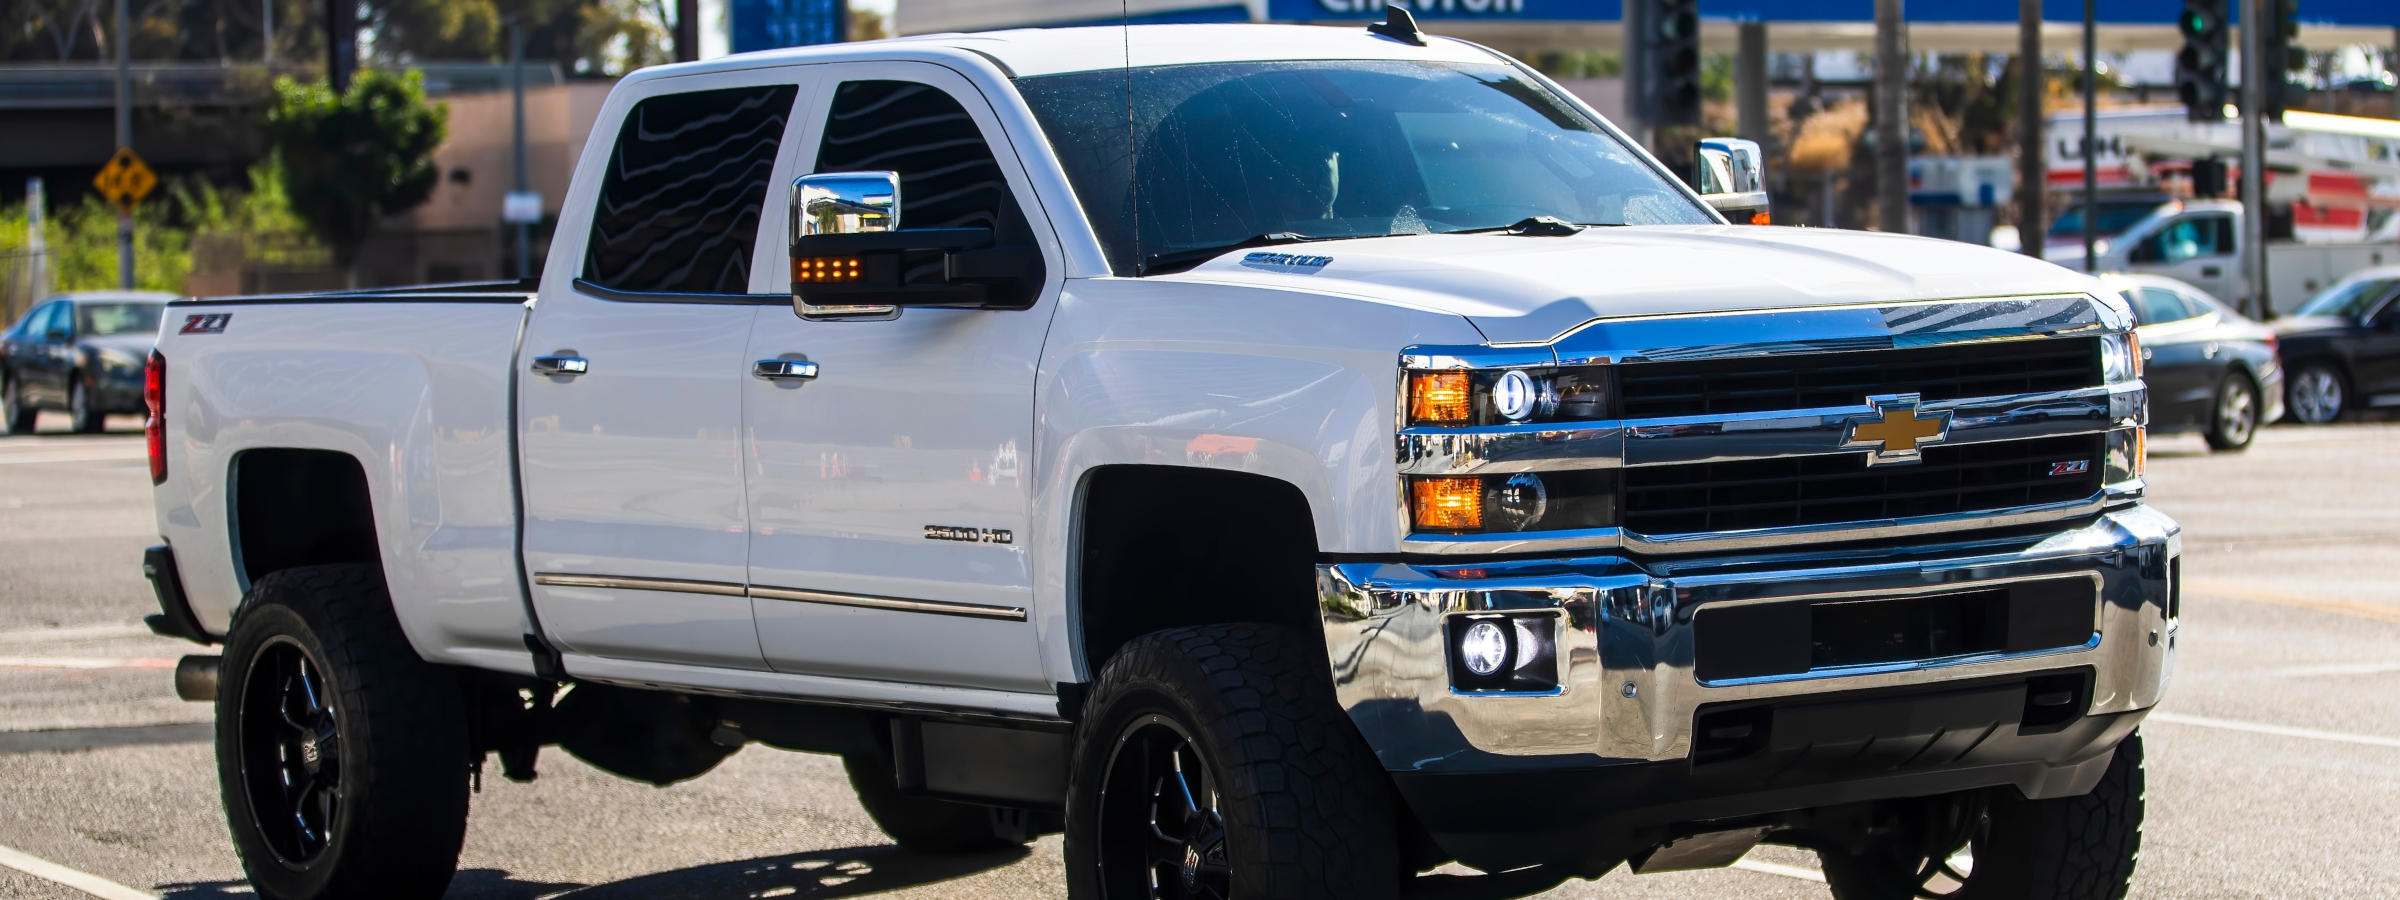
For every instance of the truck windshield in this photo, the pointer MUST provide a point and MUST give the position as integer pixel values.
(2114, 219)
(1228, 152)
(2349, 301)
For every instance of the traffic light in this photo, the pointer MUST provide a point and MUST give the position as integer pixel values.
(2284, 55)
(2200, 68)
(2208, 178)
(1672, 60)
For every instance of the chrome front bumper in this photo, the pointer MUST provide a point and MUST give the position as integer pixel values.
(1628, 693)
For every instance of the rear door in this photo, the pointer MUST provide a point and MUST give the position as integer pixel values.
(53, 342)
(636, 525)
(890, 492)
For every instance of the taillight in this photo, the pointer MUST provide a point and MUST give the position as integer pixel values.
(154, 431)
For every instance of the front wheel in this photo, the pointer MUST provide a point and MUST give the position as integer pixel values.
(83, 410)
(15, 414)
(2235, 420)
(2318, 394)
(1996, 845)
(1213, 763)
(341, 754)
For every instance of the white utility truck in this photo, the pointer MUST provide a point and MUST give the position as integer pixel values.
(1285, 459)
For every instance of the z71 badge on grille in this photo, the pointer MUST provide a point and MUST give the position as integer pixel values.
(1894, 433)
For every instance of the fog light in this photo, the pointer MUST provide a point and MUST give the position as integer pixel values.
(1484, 648)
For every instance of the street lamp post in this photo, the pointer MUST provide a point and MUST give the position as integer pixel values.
(124, 140)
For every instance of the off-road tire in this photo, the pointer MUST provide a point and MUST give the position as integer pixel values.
(83, 409)
(401, 809)
(2226, 432)
(1304, 808)
(19, 416)
(2067, 848)
(920, 823)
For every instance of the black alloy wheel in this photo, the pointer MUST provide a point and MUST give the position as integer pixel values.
(1160, 815)
(291, 752)
(17, 417)
(2234, 419)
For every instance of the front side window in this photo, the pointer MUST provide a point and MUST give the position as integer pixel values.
(948, 177)
(2161, 305)
(2349, 300)
(1218, 153)
(2196, 237)
(680, 203)
(102, 319)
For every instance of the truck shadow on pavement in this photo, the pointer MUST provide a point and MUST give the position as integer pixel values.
(818, 874)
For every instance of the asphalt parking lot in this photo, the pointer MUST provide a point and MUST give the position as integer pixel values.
(2274, 767)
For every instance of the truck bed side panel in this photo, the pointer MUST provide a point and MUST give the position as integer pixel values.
(418, 393)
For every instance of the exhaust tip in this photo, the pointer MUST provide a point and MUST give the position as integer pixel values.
(196, 678)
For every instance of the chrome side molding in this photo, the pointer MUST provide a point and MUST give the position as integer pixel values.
(633, 583)
(767, 592)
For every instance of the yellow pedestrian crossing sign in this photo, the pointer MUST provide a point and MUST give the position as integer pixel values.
(125, 180)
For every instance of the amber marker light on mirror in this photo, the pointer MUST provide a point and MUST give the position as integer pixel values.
(825, 269)
(1438, 398)
(1448, 504)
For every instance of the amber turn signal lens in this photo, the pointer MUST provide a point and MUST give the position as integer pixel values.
(1759, 218)
(822, 269)
(2133, 345)
(1448, 504)
(2141, 450)
(1438, 398)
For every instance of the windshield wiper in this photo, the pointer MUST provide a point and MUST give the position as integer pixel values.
(1162, 263)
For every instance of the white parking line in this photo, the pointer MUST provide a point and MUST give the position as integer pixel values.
(77, 633)
(83, 662)
(1804, 874)
(2377, 668)
(2279, 730)
(82, 881)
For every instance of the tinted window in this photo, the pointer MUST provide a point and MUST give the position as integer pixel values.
(2162, 305)
(55, 318)
(680, 203)
(2348, 300)
(2114, 218)
(2192, 238)
(948, 178)
(118, 318)
(1217, 153)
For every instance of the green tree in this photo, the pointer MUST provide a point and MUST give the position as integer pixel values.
(351, 158)
(82, 239)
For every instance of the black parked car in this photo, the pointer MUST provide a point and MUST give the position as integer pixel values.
(2343, 347)
(82, 353)
(2209, 368)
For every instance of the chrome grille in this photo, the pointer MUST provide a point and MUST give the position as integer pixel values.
(1820, 380)
(1820, 490)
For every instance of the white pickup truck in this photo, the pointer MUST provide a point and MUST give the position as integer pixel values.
(1285, 459)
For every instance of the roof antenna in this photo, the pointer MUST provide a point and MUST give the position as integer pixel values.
(1398, 25)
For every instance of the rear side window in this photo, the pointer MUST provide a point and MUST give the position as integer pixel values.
(948, 178)
(680, 203)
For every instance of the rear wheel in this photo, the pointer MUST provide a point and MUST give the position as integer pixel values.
(83, 409)
(1996, 845)
(1215, 763)
(2235, 420)
(341, 754)
(15, 414)
(2319, 395)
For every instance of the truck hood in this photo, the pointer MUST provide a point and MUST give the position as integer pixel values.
(1536, 289)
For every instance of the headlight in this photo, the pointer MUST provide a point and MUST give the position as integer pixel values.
(1455, 397)
(2121, 357)
(1523, 501)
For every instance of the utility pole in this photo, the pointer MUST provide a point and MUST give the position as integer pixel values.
(37, 242)
(2033, 169)
(1891, 117)
(687, 30)
(2091, 137)
(266, 31)
(516, 65)
(1750, 83)
(2258, 27)
(341, 43)
(1637, 86)
(124, 140)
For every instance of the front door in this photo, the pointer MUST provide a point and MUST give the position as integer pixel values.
(889, 493)
(2179, 363)
(2378, 355)
(2199, 249)
(635, 519)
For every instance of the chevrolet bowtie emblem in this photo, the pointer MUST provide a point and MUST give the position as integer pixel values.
(1894, 433)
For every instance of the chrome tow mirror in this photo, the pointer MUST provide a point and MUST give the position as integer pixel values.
(851, 259)
(1731, 175)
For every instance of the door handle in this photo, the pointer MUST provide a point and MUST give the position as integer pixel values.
(784, 368)
(561, 365)
(2211, 271)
